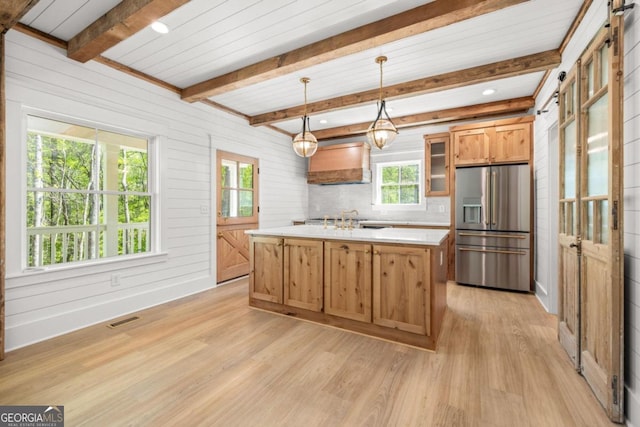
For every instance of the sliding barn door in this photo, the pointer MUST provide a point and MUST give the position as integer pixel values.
(569, 237)
(591, 248)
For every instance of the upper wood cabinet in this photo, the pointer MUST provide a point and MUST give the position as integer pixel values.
(436, 161)
(500, 141)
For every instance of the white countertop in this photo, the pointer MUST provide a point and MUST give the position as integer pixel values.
(410, 236)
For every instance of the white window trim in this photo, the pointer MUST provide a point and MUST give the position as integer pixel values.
(375, 203)
(16, 259)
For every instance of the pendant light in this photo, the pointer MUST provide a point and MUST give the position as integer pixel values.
(305, 144)
(382, 131)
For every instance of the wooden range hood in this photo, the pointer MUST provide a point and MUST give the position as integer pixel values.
(340, 164)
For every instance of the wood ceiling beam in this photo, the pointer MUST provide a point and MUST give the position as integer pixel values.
(483, 73)
(509, 106)
(120, 23)
(12, 11)
(436, 14)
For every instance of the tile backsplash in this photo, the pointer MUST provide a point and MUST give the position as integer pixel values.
(331, 199)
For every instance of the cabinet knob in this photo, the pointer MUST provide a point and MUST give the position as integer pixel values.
(376, 252)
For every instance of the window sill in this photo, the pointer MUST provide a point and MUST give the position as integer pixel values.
(34, 276)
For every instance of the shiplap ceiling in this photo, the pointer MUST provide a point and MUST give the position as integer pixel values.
(212, 38)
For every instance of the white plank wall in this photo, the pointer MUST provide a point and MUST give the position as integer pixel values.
(632, 214)
(545, 277)
(42, 305)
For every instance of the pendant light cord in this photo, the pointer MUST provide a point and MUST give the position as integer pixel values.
(381, 62)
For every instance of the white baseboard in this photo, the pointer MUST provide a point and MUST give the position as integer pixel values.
(542, 295)
(45, 328)
(632, 408)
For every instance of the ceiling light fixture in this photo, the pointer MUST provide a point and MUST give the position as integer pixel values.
(159, 27)
(382, 131)
(305, 144)
(487, 92)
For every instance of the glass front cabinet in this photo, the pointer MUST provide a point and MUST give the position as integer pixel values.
(436, 154)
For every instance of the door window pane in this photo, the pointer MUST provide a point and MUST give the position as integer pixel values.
(597, 148)
(604, 65)
(604, 222)
(590, 80)
(589, 225)
(246, 175)
(246, 203)
(570, 161)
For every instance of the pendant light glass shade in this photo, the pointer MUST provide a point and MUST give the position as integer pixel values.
(304, 143)
(382, 132)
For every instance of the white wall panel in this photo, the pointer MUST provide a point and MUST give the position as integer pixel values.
(50, 303)
(631, 215)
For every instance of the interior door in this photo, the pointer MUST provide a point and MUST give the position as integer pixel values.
(237, 211)
(591, 246)
(568, 227)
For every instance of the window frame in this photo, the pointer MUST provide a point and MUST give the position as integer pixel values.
(377, 186)
(156, 152)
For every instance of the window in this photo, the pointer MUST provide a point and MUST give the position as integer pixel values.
(88, 194)
(398, 184)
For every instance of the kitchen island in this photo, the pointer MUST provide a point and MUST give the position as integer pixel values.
(389, 283)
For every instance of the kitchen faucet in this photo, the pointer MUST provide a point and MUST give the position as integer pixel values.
(350, 213)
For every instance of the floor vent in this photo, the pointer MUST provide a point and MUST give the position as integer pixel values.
(122, 322)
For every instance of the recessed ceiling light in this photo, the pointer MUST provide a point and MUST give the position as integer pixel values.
(488, 91)
(159, 27)
(323, 122)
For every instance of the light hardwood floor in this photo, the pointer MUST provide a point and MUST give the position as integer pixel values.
(211, 360)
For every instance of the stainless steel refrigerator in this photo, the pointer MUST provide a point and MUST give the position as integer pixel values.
(493, 226)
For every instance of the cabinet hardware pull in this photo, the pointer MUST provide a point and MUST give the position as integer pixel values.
(493, 251)
(503, 236)
(220, 235)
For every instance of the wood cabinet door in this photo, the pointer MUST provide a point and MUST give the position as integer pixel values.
(436, 164)
(303, 273)
(402, 288)
(347, 280)
(512, 143)
(265, 279)
(471, 147)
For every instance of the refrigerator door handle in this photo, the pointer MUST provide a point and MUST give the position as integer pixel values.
(487, 209)
(493, 251)
(501, 236)
(494, 198)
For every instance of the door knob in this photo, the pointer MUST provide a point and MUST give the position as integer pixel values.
(573, 245)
